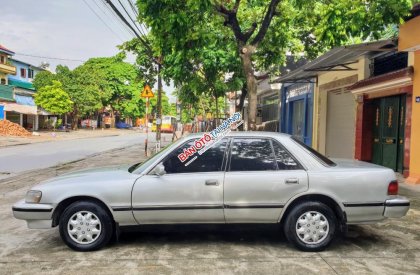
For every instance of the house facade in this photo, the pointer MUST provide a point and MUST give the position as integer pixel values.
(362, 102)
(297, 110)
(24, 111)
(409, 42)
(17, 91)
(6, 68)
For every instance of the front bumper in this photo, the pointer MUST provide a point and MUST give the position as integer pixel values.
(37, 215)
(396, 207)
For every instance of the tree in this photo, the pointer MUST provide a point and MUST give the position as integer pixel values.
(119, 83)
(261, 32)
(43, 78)
(166, 107)
(54, 99)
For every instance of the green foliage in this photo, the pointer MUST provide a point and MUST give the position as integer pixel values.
(166, 106)
(43, 79)
(104, 81)
(54, 99)
(117, 84)
(200, 44)
(85, 90)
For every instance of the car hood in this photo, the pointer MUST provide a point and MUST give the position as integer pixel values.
(91, 174)
(352, 163)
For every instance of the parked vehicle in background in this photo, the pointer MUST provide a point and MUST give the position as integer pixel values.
(122, 125)
(247, 177)
(169, 124)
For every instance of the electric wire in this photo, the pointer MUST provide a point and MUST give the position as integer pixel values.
(97, 15)
(48, 57)
(110, 17)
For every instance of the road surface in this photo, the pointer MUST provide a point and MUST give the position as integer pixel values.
(22, 158)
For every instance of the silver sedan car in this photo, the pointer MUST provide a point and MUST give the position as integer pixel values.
(246, 177)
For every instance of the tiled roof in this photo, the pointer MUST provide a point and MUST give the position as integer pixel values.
(382, 78)
(6, 50)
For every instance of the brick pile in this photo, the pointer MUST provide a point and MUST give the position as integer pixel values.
(8, 128)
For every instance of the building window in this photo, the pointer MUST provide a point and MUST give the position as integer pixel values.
(23, 72)
(388, 62)
(30, 73)
(3, 81)
(2, 59)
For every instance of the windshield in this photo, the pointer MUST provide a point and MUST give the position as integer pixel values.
(141, 167)
(320, 157)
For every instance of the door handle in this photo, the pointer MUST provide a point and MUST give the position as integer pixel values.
(292, 181)
(212, 182)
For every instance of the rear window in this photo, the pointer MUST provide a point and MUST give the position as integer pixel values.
(320, 157)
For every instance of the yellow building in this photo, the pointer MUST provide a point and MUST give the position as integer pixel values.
(409, 41)
(362, 103)
(5, 65)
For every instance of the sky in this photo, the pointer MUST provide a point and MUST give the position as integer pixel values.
(65, 29)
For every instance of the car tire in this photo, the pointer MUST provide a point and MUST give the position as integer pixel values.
(85, 226)
(310, 226)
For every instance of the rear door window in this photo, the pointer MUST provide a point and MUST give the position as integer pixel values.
(252, 154)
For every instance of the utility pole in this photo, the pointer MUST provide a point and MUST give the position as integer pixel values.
(157, 61)
(159, 107)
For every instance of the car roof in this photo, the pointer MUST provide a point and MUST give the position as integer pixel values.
(246, 134)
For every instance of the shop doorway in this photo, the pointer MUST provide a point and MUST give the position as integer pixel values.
(388, 132)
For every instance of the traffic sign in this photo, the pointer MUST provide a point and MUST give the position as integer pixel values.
(147, 92)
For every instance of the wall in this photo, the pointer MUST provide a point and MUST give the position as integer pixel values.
(19, 66)
(320, 98)
(414, 174)
(409, 40)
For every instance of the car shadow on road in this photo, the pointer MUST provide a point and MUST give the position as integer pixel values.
(200, 233)
(358, 238)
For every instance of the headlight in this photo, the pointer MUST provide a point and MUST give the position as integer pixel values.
(33, 196)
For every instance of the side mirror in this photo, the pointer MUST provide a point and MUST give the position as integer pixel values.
(159, 170)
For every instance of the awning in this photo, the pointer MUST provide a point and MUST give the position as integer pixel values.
(43, 112)
(25, 100)
(21, 109)
(389, 81)
(21, 84)
(6, 93)
(337, 59)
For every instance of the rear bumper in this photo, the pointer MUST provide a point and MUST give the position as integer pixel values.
(397, 207)
(36, 215)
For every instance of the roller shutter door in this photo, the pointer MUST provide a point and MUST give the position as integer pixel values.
(340, 124)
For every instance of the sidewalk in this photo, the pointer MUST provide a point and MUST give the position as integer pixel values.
(408, 186)
(45, 136)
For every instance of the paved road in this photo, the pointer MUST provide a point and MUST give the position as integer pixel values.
(17, 159)
(389, 247)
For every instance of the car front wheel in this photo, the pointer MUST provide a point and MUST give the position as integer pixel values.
(85, 226)
(310, 226)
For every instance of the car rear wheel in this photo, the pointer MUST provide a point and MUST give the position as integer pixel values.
(310, 226)
(85, 226)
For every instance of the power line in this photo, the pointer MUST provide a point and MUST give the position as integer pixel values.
(109, 19)
(136, 13)
(123, 19)
(117, 20)
(134, 23)
(97, 15)
(47, 57)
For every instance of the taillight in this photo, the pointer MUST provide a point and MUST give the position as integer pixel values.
(393, 188)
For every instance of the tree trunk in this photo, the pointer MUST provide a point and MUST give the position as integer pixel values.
(74, 121)
(244, 93)
(251, 83)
